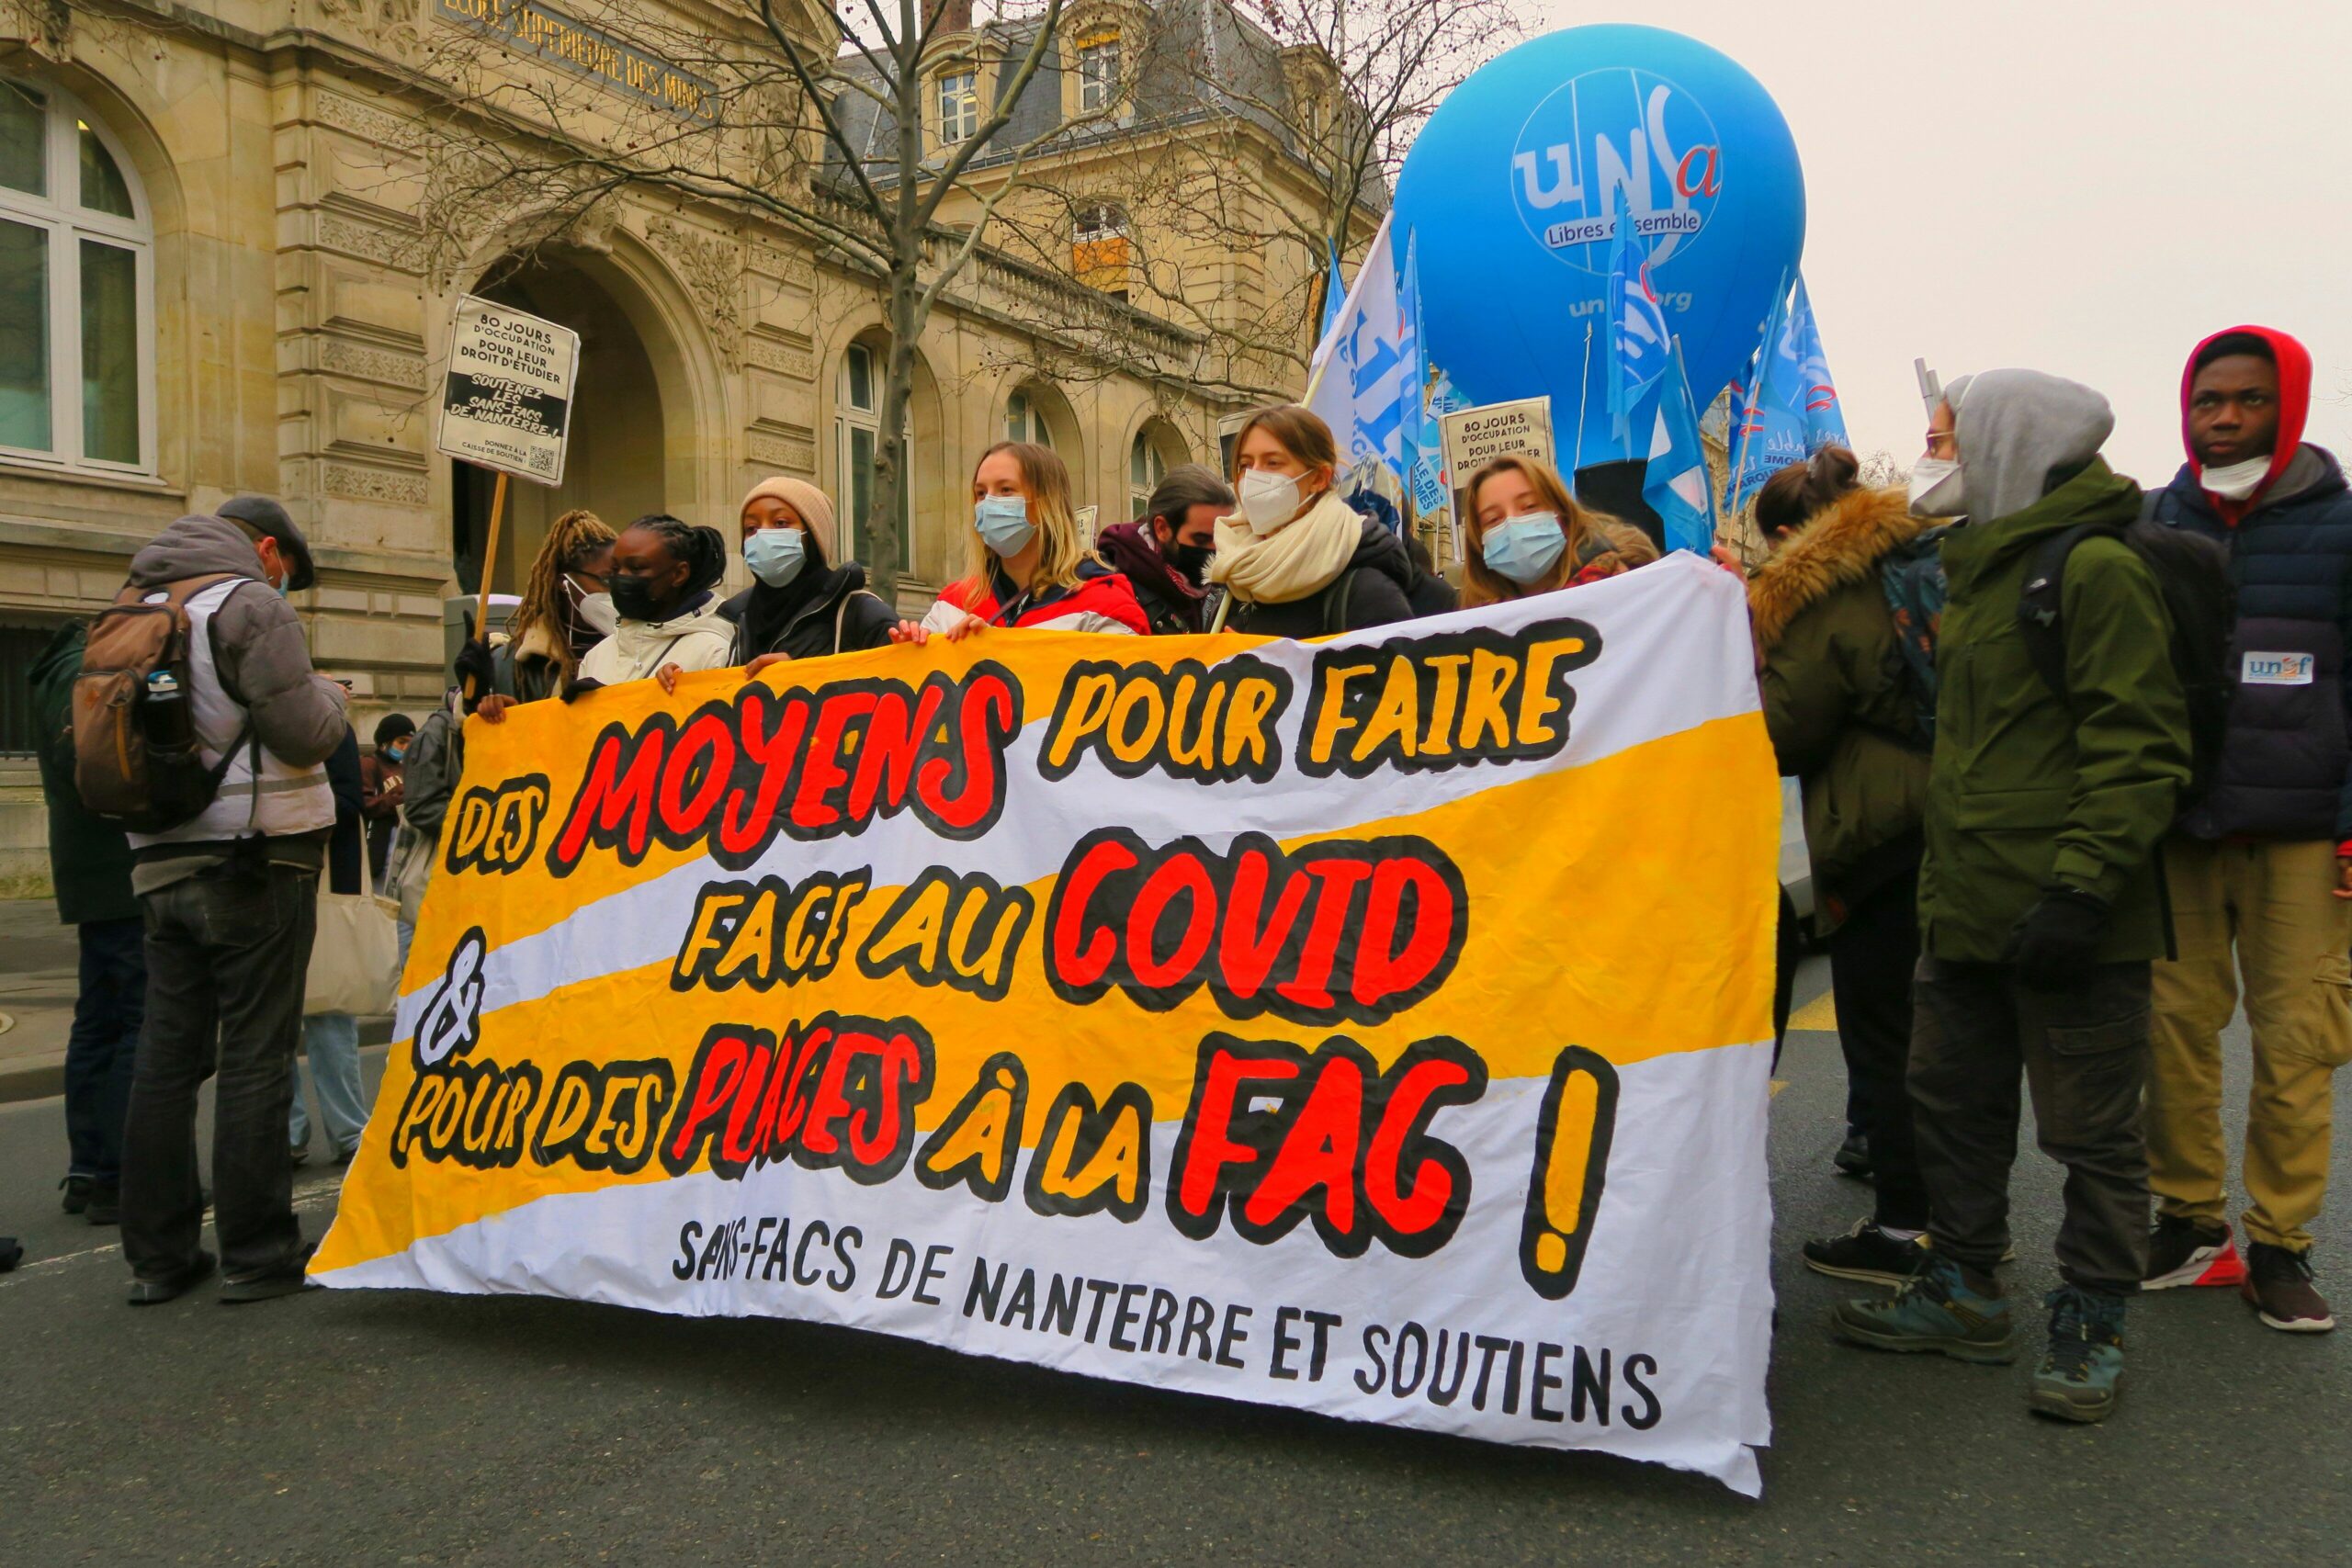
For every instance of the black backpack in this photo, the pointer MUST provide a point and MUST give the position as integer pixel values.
(2193, 577)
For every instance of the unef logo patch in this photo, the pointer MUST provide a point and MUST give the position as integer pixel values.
(2277, 670)
(1605, 128)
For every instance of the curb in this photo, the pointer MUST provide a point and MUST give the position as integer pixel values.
(43, 1078)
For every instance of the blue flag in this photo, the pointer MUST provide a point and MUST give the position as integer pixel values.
(1677, 484)
(1637, 331)
(1788, 405)
(1335, 289)
(1356, 382)
(1414, 350)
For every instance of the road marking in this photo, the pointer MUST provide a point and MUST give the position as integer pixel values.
(1821, 1013)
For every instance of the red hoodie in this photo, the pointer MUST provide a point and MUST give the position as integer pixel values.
(2294, 363)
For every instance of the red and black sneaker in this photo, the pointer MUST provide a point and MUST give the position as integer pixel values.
(2192, 1252)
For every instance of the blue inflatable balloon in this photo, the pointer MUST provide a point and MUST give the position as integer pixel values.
(1510, 191)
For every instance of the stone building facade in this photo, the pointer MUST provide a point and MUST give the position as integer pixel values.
(219, 274)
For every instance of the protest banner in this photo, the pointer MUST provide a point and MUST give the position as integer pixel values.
(1377, 1027)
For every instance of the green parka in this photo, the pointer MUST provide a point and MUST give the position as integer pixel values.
(2029, 790)
(1840, 707)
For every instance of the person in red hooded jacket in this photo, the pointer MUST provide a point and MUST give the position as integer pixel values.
(2260, 869)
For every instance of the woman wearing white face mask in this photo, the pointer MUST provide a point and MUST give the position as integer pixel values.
(1026, 565)
(564, 613)
(1525, 534)
(1298, 560)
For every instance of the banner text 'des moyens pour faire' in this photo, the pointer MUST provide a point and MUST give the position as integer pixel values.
(1378, 1027)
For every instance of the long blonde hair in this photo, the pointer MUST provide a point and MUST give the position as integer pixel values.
(1484, 585)
(571, 538)
(1046, 479)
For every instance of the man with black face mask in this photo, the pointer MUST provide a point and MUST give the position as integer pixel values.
(1165, 556)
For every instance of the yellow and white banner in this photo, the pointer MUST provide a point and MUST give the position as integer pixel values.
(1377, 1027)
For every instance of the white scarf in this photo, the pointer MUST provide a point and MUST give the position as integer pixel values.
(1300, 558)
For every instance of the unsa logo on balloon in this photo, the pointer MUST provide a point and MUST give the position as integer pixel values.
(1608, 127)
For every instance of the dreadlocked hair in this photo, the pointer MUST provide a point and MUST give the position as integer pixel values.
(703, 549)
(572, 539)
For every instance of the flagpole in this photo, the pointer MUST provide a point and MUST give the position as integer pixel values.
(1756, 388)
(1583, 390)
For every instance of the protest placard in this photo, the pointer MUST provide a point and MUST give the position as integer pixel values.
(1378, 1027)
(1474, 436)
(507, 401)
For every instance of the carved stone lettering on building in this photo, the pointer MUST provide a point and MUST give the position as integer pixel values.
(585, 51)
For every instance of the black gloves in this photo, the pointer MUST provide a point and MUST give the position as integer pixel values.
(574, 690)
(476, 672)
(2058, 939)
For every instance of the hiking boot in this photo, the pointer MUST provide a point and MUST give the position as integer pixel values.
(105, 1207)
(2279, 1283)
(2184, 1252)
(289, 1280)
(171, 1287)
(2083, 1370)
(1866, 1252)
(1936, 1309)
(1853, 1157)
(77, 1193)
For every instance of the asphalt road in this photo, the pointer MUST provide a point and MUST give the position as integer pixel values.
(408, 1428)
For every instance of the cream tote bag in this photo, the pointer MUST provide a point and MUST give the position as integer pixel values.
(357, 945)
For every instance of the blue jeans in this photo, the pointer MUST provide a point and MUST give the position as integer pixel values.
(333, 1040)
(102, 1045)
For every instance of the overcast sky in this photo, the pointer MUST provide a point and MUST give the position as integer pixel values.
(2083, 186)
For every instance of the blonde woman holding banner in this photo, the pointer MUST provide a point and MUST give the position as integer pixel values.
(1299, 562)
(1026, 565)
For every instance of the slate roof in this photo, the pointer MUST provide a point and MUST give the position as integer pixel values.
(1196, 47)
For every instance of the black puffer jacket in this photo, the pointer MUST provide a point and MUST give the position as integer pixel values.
(798, 619)
(1375, 589)
(2286, 765)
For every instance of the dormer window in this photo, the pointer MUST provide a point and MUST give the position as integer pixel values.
(1098, 72)
(959, 106)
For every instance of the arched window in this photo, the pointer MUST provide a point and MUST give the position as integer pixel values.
(857, 432)
(1024, 421)
(77, 351)
(1145, 469)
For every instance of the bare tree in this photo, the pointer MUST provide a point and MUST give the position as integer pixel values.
(817, 122)
(1358, 79)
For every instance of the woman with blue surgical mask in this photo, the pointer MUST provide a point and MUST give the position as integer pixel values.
(1523, 532)
(1025, 565)
(800, 603)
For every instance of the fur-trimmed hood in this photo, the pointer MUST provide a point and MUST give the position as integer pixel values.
(1841, 543)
